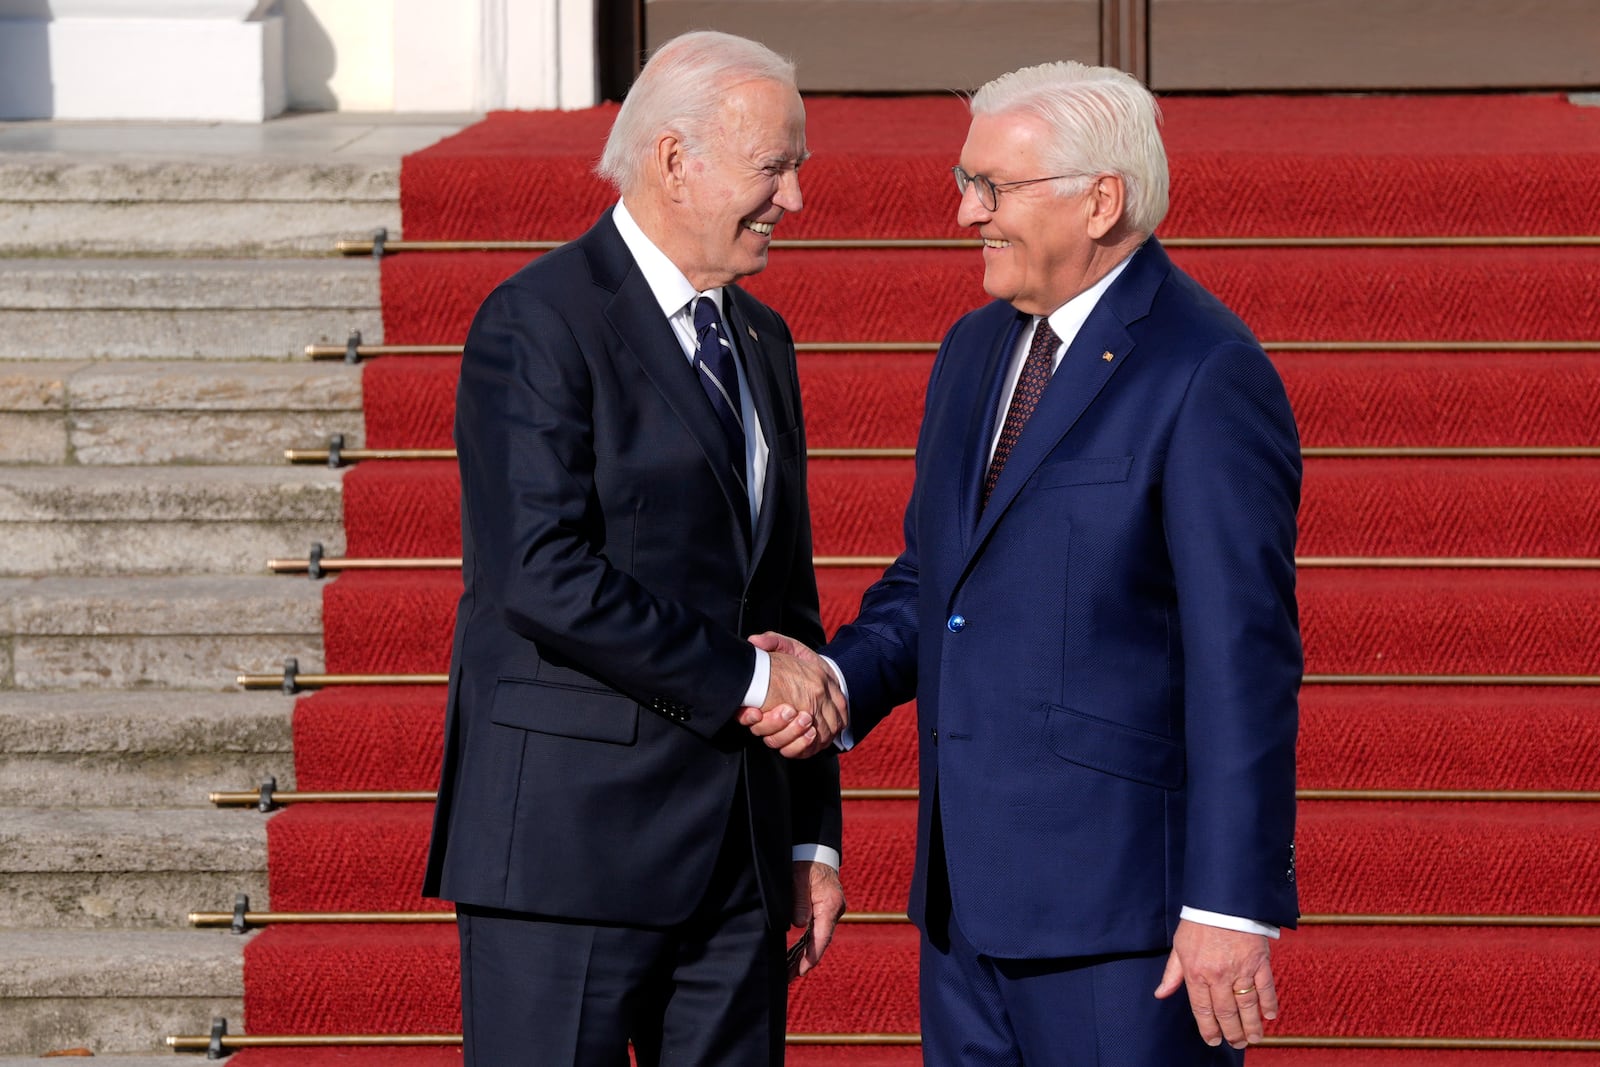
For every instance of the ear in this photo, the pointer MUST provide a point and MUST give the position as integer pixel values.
(1107, 197)
(670, 164)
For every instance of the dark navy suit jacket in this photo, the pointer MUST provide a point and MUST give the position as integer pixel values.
(1106, 660)
(591, 753)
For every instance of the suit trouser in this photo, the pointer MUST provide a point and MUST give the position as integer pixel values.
(707, 993)
(982, 1011)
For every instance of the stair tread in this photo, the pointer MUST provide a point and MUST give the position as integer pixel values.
(168, 284)
(128, 840)
(135, 721)
(169, 604)
(120, 963)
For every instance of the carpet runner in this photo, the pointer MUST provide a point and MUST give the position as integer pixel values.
(1517, 377)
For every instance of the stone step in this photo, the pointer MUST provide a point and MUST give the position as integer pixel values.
(115, 991)
(164, 520)
(194, 411)
(291, 185)
(170, 632)
(124, 868)
(143, 748)
(183, 308)
(149, 1059)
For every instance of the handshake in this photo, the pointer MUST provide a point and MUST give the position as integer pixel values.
(805, 707)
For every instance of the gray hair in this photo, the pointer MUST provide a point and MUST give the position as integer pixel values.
(1103, 122)
(681, 90)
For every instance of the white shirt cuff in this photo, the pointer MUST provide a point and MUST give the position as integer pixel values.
(847, 738)
(817, 854)
(1228, 922)
(756, 695)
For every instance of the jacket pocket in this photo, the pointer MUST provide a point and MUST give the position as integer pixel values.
(585, 713)
(1085, 471)
(1115, 749)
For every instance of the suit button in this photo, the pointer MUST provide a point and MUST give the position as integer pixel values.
(956, 623)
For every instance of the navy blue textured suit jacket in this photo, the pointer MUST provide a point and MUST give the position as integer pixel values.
(1106, 659)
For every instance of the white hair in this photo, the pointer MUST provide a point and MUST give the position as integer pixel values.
(1102, 121)
(681, 90)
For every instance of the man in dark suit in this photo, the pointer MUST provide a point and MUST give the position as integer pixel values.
(625, 856)
(1095, 611)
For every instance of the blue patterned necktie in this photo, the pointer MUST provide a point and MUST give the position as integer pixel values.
(1030, 387)
(713, 364)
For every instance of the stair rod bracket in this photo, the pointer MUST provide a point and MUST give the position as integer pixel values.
(379, 236)
(314, 569)
(291, 676)
(219, 1030)
(336, 451)
(241, 908)
(265, 801)
(352, 347)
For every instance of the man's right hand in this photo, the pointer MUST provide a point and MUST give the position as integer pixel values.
(805, 708)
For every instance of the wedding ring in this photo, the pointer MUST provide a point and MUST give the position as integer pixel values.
(1246, 989)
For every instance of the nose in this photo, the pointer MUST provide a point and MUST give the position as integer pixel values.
(788, 194)
(970, 211)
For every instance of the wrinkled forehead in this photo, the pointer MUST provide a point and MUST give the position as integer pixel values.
(763, 117)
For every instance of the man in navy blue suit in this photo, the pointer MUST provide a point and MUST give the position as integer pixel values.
(1095, 611)
(626, 857)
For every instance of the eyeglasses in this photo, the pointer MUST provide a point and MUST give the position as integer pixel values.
(988, 190)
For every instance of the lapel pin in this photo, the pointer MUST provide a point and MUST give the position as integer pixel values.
(1107, 356)
(751, 330)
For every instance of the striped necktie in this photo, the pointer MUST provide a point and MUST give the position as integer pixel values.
(713, 364)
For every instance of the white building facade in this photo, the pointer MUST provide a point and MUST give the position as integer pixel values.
(248, 60)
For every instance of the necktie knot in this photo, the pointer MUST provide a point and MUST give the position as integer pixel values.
(705, 317)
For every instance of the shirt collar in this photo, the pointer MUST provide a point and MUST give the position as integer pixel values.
(1069, 318)
(667, 283)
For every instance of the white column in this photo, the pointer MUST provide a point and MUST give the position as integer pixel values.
(141, 59)
(484, 55)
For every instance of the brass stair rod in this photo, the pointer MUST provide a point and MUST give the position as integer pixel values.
(355, 455)
(367, 247)
(316, 351)
(885, 918)
(194, 1043)
(406, 918)
(242, 798)
(318, 681)
(340, 563)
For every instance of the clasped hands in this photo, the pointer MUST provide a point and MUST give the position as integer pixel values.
(805, 707)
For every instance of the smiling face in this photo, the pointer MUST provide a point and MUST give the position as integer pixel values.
(736, 185)
(1039, 248)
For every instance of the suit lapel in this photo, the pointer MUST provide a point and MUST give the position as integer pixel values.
(1101, 347)
(633, 312)
(975, 456)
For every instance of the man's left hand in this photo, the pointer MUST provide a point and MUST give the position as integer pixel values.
(818, 903)
(1229, 976)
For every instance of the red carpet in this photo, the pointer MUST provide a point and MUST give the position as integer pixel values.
(349, 979)
(1242, 166)
(1466, 858)
(1261, 166)
(1341, 399)
(1349, 507)
(1358, 621)
(1351, 737)
(1350, 294)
